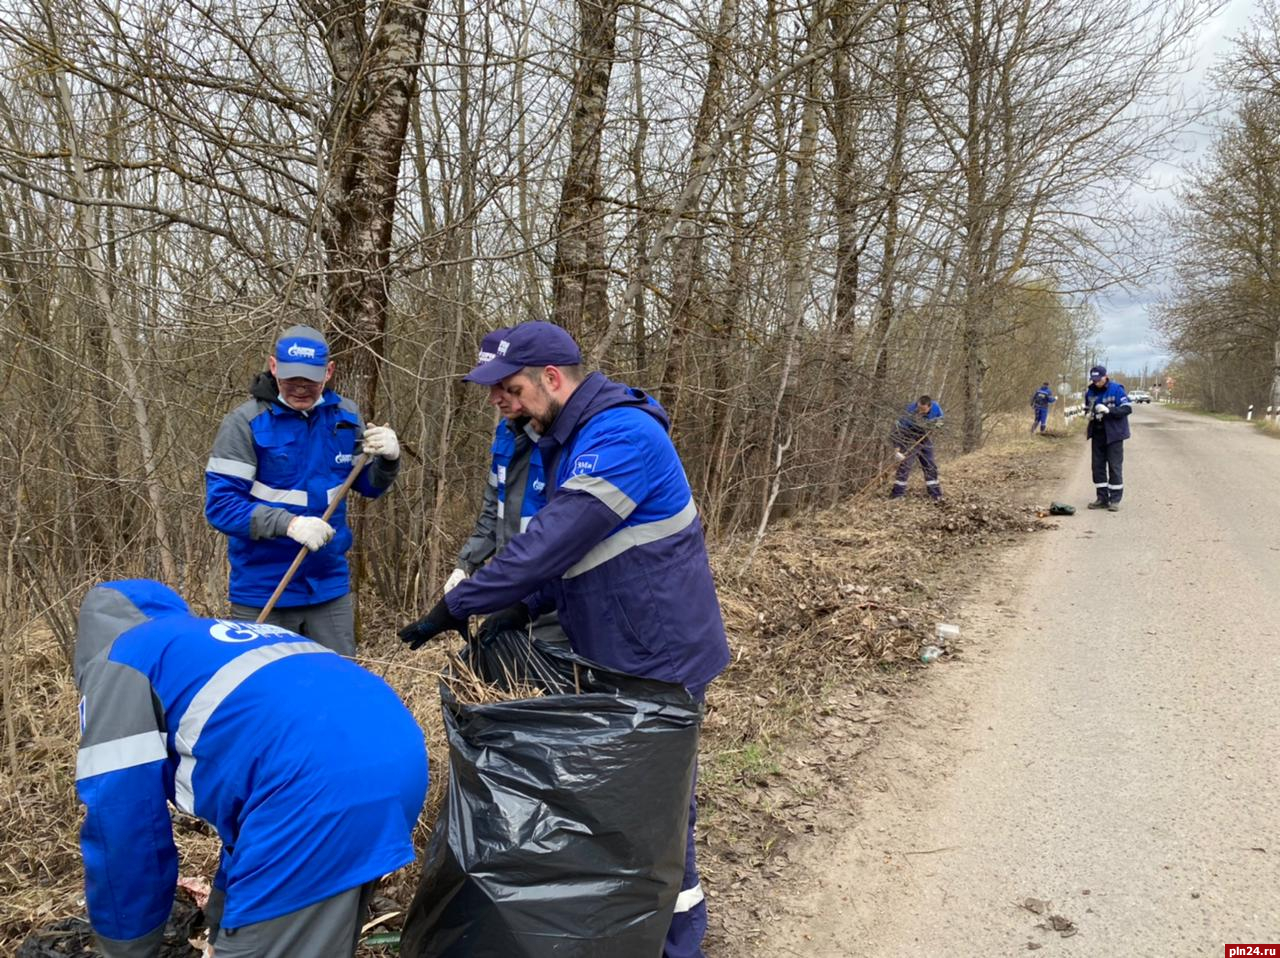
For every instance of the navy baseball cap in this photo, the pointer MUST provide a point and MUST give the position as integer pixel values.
(489, 346)
(301, 352)
(1096, 373)
(529, 344)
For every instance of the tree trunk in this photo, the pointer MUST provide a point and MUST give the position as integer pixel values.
(374, 81)
(579, 273)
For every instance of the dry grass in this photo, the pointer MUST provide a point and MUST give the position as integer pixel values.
(828, 597)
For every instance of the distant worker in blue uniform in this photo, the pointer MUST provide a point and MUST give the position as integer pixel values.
(276, 461)
(912, 439)
(1041, 400)
(309, 768)
(617, 550)
(1108, 407)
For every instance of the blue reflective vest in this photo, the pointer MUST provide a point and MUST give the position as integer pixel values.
(309, 767)
(534, 495)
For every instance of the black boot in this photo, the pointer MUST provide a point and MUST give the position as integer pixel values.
(1100, 504)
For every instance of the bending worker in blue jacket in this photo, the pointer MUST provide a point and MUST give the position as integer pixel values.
(618, 548)
(1041, 400)
(276, 461)
(1108, 407)
(912, 440)
(309, 768)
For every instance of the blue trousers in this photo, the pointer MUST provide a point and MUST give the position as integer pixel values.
(1042, 418)
(1108, 467)
(923, 451)
(689, 922)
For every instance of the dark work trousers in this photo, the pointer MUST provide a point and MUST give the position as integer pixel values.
(327, 929)
(1108, 467)
(923, 451)
(689, 923)
(331, 623)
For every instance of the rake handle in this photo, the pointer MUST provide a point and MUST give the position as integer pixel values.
(341, 494)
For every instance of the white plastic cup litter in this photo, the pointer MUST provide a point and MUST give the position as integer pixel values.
(947, 633)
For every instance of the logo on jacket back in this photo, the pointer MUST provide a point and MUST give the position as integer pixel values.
(538, 485)
(225, 631)
(342, 458)
(584, 465)
(298, 351)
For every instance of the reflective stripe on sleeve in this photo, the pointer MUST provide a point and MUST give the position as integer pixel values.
(231, 467)
(605, 491)
(120, 753)
(225, 681)
(293, 497)
(632, 536)
(689, 899)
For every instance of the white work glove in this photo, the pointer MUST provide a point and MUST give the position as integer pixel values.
(310, 531)
(381, 441)
(456, 576)
(1101, 410)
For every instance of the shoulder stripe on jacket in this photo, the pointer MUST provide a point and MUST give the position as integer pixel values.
(120, 753)
(225, 681)
(632, 536)
(605, 491)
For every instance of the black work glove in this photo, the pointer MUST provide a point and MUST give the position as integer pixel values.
(436, 622)
(513, 618)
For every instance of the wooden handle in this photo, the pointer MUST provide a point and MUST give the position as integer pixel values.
(338, 496)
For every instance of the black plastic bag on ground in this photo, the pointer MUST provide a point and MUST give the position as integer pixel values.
(563, 829)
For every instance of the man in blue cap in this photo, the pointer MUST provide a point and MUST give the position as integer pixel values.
(276, 461)
(1108, 407)
(618, 549)
(516, 488)
(308, 767)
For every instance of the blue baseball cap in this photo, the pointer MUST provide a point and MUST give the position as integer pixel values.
(489, 346)
(529, 344)
(301, 352)
(1096, 373)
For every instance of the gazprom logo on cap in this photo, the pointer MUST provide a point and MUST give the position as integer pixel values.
(298, 351)
(484, 356)
(226, 631)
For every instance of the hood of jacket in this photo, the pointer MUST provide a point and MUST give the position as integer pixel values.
(113, 608)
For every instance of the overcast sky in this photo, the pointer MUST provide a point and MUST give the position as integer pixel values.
(1125, 339)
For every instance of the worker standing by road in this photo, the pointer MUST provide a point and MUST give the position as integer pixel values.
(1108, 407)
(618, 549)
(1041, 400)
(276, 461)
(309, 768)
(912, 439)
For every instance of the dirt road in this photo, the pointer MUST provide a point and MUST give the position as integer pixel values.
(1107, 740)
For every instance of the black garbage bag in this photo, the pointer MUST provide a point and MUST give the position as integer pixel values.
(563, 829)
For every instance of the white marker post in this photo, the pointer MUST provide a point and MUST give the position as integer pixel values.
(1249, 415)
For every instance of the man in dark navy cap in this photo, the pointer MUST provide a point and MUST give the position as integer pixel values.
(276, 461)
(618, 549)
(1108, 407)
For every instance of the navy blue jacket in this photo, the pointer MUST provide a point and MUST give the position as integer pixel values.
(909, 431)
(309, 767)
(1043, 397)
(618, 549)
(270, 463)
(1115, 425)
